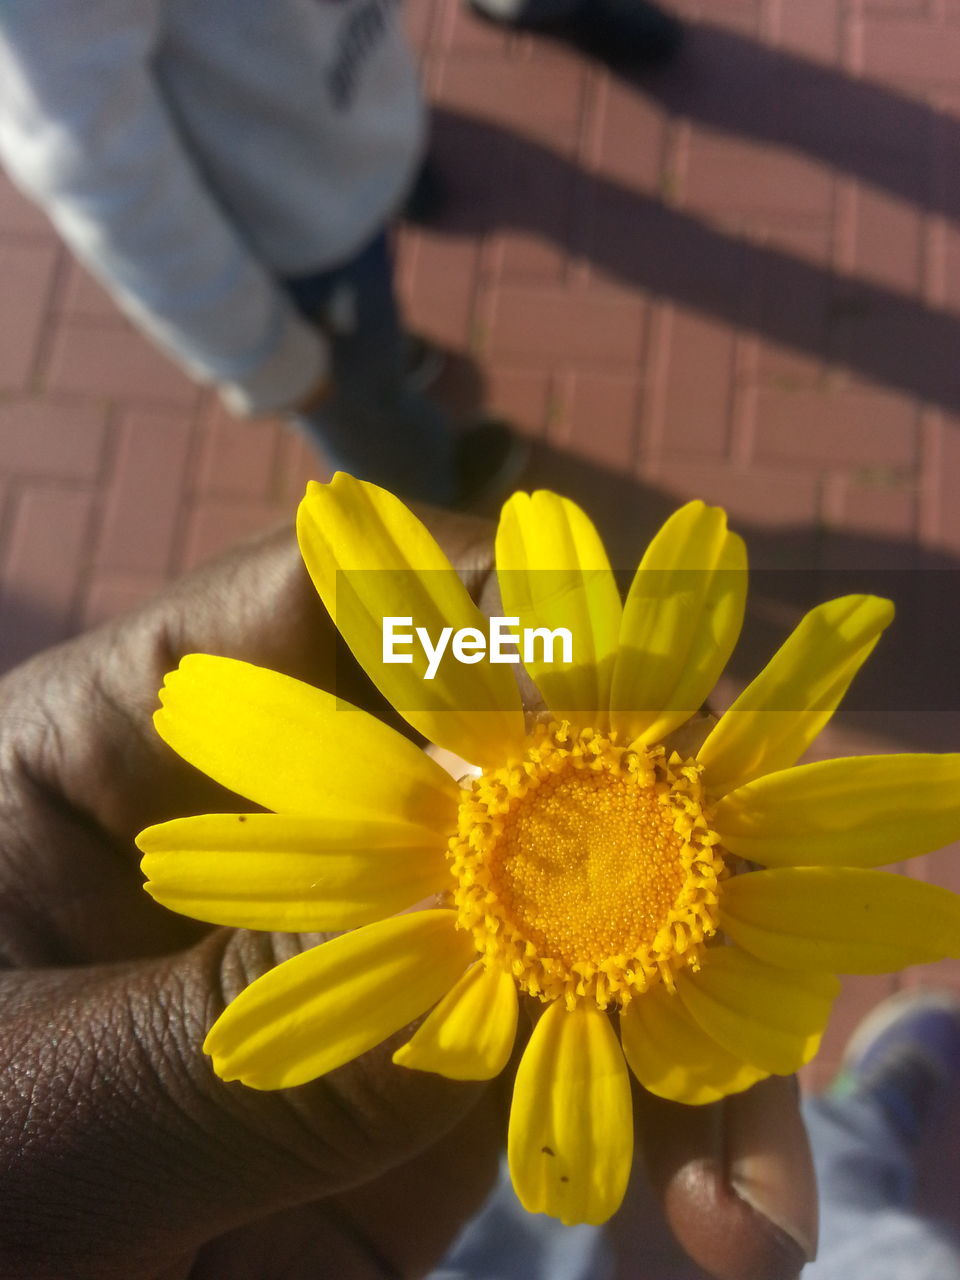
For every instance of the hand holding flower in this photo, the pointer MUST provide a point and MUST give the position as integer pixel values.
(124, 1156)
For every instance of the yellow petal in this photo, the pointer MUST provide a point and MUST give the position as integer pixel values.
(840, 919)
(276, 871)
(771, 1018)
(681, 620)
(370, 558)
(570, 1140)
(780, 713)
(672, 1057)
(328, 1005)
(859, 812)
(553, 572)
(286, 745)
(470, 1033)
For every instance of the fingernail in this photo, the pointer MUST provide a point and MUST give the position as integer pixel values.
(770, 1165)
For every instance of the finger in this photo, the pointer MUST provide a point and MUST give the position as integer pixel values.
(77, 718)
(366, 1232)
(76, 731)
(452, 1178)
(736, 1180)
(69, 895)
(295, 1244)
(103, 1075)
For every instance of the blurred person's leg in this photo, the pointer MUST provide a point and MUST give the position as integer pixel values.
(376, 423)
(373, 424)
(622, 32)
(900, 1073)
(505, 1242)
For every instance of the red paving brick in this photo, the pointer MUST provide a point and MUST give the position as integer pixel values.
(442, 276)
(567, 328)
(106, 359)
(765, 496)
(237, 459)
(725, 175)
(112, 593)
(697, 406)
(849, 429)
(521, 395)
(27, 272)
(888, 241)
(628, 136)
(880, 509)
(82, 296)
(539, 100)
(218, 523)
(42, 437)
(46, 558)
(812, 29)
(152, 454)
(736, 280)
(915, 49)
(604, 409)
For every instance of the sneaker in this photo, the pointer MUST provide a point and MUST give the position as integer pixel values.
(491, 458)
(624, 34)
(423, 362)
(905, 1056)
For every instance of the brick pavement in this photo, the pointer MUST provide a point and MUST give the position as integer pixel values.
(737, 279)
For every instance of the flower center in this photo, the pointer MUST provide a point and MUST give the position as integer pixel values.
(588, 865)
(587, 868)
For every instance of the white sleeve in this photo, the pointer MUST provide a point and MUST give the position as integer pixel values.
(85, 131)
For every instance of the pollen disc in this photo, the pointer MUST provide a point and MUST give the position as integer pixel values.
(587, 868)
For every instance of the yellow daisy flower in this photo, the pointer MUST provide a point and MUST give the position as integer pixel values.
(593, 861)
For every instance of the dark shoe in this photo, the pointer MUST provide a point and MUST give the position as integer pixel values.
(625, 34)
(491, 458)
(905, 1057)
(423, 362)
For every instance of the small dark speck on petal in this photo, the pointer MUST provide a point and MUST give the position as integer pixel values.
(564, 1178)
(548, 1151)
(241, 817)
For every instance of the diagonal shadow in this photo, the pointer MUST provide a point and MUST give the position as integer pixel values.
(500, 180)
(867, 130)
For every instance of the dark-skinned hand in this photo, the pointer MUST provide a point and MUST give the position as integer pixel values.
(123, 1156)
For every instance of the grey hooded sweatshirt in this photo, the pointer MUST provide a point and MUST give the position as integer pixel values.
(192, 151)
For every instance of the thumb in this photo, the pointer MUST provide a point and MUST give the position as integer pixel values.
(123, 1152)
(736, 1180)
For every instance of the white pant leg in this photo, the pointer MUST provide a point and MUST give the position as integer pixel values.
(504, 1242)
(866, 1177)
